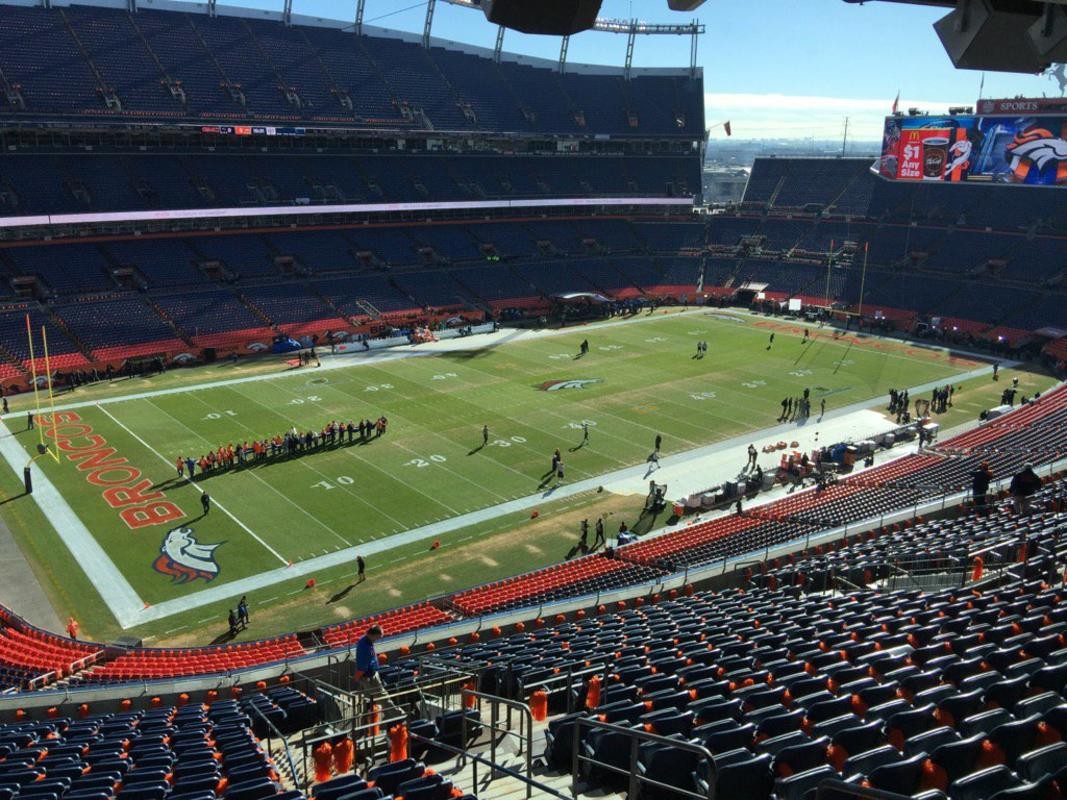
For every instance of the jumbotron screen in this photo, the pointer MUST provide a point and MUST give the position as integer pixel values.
(993, 149)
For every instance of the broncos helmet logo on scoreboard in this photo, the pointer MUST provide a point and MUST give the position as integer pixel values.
(1033, 152)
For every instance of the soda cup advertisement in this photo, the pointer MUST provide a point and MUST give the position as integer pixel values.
(1028, 150)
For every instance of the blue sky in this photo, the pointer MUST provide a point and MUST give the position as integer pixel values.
(793, 68)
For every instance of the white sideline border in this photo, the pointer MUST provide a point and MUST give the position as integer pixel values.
(117, 593)
(130, 610)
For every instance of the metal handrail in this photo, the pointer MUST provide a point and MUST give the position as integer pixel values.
(565, 679)
(476, 759)
(273, 729)
(636, 779)
(525, 736)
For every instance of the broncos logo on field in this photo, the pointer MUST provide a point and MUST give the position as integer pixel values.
(1033, 151)
(183, 558)
(556, 386)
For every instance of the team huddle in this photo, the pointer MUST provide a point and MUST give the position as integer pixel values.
(288, 445)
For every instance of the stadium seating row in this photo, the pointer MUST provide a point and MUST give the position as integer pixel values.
(73, 182)
(174, 66)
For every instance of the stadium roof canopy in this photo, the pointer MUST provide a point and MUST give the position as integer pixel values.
(1001, 35)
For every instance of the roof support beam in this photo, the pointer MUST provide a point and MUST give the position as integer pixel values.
(361, 6)
(499, 44)
(631, 39)
(287, 12)
(427, 27)
(697, 29)
(563, 54)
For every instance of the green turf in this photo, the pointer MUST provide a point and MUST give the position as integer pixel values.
(427, 467)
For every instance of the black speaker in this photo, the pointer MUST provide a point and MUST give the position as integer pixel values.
(551, 17)
(991, 35)
(1049, 35)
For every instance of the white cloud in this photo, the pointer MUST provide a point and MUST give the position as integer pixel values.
(770, 116)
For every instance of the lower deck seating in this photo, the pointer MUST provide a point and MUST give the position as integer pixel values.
(163, 663)
(906, 692)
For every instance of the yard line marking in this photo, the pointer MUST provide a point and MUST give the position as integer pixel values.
(345, 489)
(300, 461)
(217, 505)
(252, 473)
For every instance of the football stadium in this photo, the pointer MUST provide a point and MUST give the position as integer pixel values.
(387, 416)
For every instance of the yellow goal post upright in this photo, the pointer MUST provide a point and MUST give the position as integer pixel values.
(43, 445)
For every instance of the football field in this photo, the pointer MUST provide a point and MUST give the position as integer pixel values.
(144, 541)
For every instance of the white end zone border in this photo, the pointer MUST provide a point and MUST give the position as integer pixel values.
(124, 603)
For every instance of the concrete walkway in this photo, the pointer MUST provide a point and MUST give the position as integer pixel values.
(19, 588)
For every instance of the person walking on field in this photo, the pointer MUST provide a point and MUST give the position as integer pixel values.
(599, 539)
(361, 569)
(659, 442)
(242, 611)
(485, 435)
(752, 453)
(29, 420)
(180, 466)
(205, 502)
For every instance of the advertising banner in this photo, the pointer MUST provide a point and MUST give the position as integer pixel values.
(997, 149)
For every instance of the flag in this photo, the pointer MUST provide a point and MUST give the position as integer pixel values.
(896, 102)
(726, 127)
(981, 86)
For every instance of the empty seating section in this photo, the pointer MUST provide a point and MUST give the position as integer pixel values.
(63, 351)
(62, 81)
(943, 545)
(286, 304)
(933, 249)
(576, 578)
(168, 64)
(72, 269)
(27, 654)
(188, 751)
(393, 623)
(163, 663)
(118, 325)
(101, 181)
(903, 691)
(209, 314)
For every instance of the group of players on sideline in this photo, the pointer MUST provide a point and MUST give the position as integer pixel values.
(288, 445)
